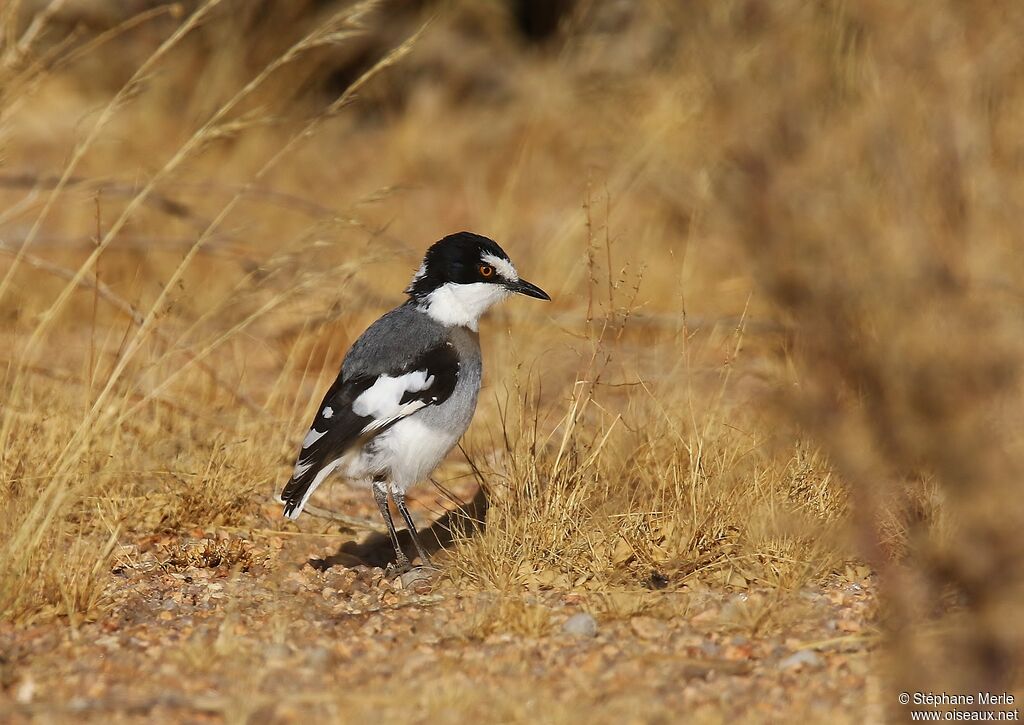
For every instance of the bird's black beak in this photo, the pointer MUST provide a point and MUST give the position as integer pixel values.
(529, 289)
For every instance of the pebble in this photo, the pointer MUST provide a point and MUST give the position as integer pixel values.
(649, 628)
(580, 624)
(735, 609)
(800, 660)
(26, 691)
(706, 617)
(318, 657)
(711, 648)
(417, 579)
(276, 651)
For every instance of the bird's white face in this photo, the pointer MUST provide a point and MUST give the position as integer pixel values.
(461, 303)
(463, 276)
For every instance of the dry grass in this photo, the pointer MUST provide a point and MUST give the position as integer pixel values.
(780, 237)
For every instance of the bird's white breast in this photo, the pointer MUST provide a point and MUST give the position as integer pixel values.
(414, 448)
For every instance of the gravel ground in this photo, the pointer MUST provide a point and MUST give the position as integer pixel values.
(259, 628)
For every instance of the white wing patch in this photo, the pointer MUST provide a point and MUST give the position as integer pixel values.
(328, 411)
(402, 412)
(383, 399)
(312, 437)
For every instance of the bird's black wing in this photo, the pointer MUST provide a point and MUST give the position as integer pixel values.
(359, 407)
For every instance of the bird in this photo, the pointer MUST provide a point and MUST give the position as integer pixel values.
(408, 386)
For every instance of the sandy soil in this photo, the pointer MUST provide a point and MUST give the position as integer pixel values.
(266, 626)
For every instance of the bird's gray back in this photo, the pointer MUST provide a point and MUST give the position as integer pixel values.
(393, 342)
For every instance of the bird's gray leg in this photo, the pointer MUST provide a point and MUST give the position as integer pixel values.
(399, 497)
(380, 494)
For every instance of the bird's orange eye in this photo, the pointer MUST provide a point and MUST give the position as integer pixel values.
(486, 271)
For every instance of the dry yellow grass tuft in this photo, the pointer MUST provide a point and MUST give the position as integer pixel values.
(785, 337)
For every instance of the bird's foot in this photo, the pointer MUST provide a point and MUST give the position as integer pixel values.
(398, 568)
(418, 577)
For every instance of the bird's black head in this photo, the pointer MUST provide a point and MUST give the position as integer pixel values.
(473, 263)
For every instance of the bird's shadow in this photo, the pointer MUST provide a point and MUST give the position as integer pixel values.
(376, 549)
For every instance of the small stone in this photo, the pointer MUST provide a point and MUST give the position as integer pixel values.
(803, 659)
(26, 691)
(580, 624)
(648, 628)
(276, 651)
(736, 608)
(417, 579)
(738, 652)
(710, 648)
(706, 617)
(318, 657)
